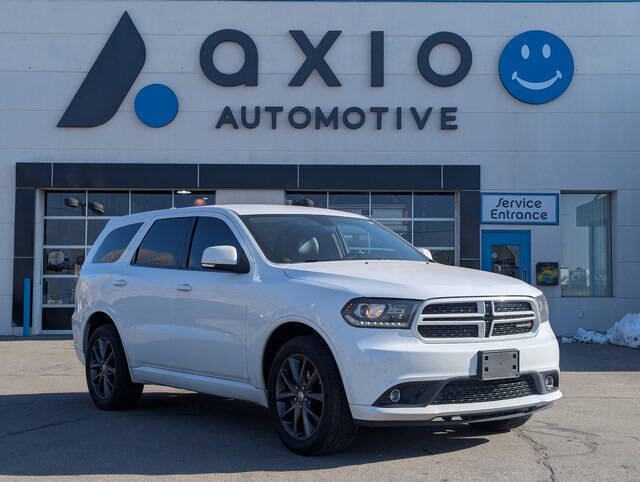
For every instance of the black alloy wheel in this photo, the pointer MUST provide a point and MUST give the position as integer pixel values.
(107, 372)
(307, 401)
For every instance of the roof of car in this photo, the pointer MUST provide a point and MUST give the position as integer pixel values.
(245, 209)
(240, 210)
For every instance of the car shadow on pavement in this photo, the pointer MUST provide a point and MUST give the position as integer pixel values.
(173, 433)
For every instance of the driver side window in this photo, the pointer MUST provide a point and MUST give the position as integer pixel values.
(215, 232)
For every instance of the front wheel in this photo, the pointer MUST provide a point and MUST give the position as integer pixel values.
(307, 402)
(107, 372)
(501, 425)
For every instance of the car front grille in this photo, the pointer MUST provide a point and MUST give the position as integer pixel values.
(503, 329)
(450, 308)
(448, 331)
(474, 391)
(481, 318)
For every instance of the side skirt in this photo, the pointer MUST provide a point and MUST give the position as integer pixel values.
(200, 383)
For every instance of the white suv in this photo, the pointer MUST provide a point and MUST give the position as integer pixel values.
(327, 318)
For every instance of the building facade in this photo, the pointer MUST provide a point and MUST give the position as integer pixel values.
(502, 136)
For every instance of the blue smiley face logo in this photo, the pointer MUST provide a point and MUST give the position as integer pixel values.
(536, 67)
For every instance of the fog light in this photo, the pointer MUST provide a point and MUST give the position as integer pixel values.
(549, 383)
(394, 395)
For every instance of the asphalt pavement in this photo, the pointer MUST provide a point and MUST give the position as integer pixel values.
(49, 426)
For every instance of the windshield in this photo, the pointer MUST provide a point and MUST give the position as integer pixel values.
(301, 238)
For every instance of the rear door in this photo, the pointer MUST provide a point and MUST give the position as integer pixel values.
(146, 292)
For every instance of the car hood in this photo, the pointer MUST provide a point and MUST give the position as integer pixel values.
(408, 279)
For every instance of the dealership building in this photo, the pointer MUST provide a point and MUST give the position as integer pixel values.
(501, 136)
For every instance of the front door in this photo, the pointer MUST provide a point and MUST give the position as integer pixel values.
(210, 307)
(507, 252)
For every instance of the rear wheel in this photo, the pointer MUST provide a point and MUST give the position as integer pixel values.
(107, 372)
(307, 402)
(501, 425)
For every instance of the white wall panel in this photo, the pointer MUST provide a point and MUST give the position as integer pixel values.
(585, 140)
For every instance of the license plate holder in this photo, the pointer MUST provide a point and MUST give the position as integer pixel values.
(498, 364)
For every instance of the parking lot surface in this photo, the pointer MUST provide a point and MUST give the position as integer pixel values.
(48, 426)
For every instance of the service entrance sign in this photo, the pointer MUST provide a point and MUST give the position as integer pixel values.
(519, 208)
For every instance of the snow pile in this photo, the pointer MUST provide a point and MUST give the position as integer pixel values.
(625, 332)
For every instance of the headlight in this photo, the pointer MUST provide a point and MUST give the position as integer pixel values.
(543, 307)
(380, 312)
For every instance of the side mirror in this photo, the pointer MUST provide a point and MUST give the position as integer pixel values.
(427, 253)
(219, 256)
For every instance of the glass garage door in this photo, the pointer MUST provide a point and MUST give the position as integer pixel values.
(425, 219)
(72, 222)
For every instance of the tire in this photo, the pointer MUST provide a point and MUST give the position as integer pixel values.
(107, 372)
(505, 425)
(324, 422)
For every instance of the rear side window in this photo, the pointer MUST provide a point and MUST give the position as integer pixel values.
(215, 232)
(115, 243)
(166, 243)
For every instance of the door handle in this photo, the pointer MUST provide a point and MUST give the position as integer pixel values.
(120, 283)
(184, 287)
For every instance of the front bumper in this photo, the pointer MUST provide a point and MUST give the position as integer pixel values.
(380, 360)
(463, 412)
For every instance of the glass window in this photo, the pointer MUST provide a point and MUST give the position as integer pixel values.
(115, 243)
(319, 198)
(444, 256)
(390, 205)
(56, 318)
(64, 203)
(63, 260)
(94, 228)
(434, 205)
(585, 226)
(357, 203)
(298, 238)
(214, 232)
(425, 219)
(400, 227)
(59, 291)
(194, 198)
(434, 233)
(64, 232)
(150, 201)
(165, 245)
(112, 203)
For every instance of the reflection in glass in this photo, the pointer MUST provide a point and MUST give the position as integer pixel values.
(319, 198)
(194, 198)
(403, 228)
(58, 291)
(357, 203)
(56, 318)
(431, 205)
(55, 203)
(150, 201)
(391, 205)
(64, 232)
(114, 203)
(94, 228)
(444, 256)
(585, 224)
(505, 260)
(434, 233)
(63, 261)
